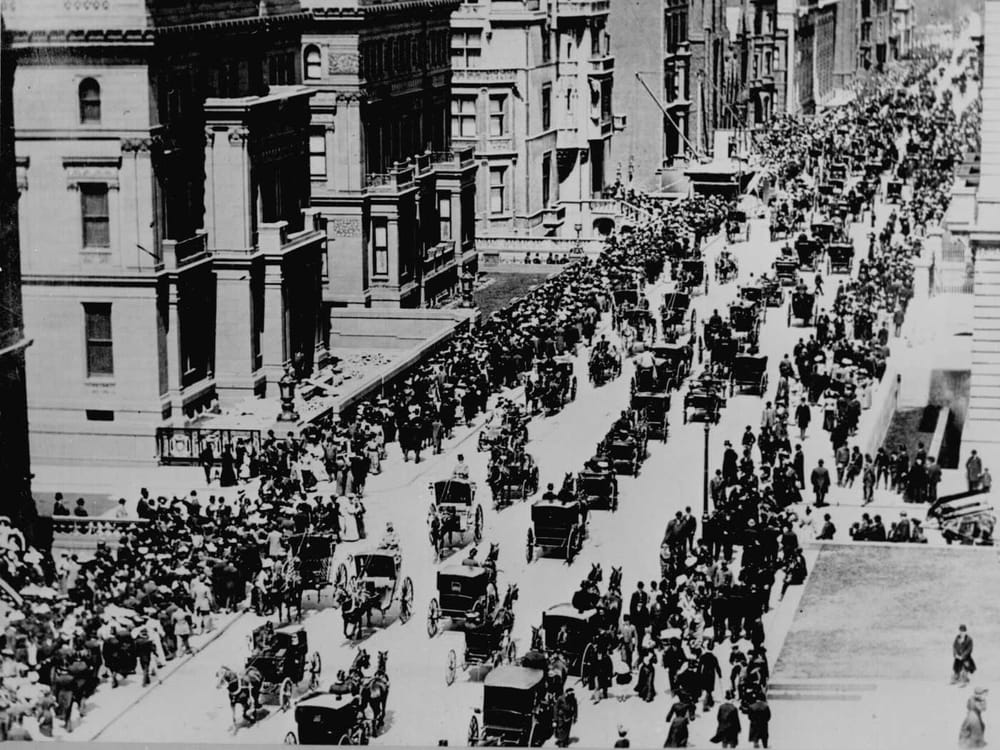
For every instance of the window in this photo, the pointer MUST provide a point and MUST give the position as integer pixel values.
(380, 243)
(546, 44)
(595, 41)
(444, 215)
(463, 117)
(90, 101)
(317, 155)
(96, 223)
(498, 190)
(570, 92)
(313, 63)
(546, 107)
(546, 178)
(466, 47)
(498, 115)
(98, 331)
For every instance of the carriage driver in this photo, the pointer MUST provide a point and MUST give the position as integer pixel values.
(390, 540)
(472, 560)
(461, 470)
(341, 686)
(586, 597)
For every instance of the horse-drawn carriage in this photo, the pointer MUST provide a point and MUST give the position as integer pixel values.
(504, 429)
(678, 358)
(598, 490)
(459, 587)
(823, 230)
(692, 274)
(604, 365)
(654, 408)
(801, 306)
(517, 710)
(281, 657)
(453, 513)
(840, 257)
(737, 227)
(572, 633)
(513, 476)
(704, 400)
(487, 641)
(765, 290)
(726, 268)
(808, 252)
(374, 585)
(745, 320)
(557, 383)
(894, 191)
(674, 313)
(786, 270)
(656, 378)
(749, 373)
(838, 171)
(314, 553)
(555, 524)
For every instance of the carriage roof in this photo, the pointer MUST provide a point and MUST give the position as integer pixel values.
(590, 478)
(467, 572)
(312, 546)
(378, 563)
(331, 704)
(557, 505)
(750, 362)
(625, 295)
(453, 491)
(561, 613)
(647, 397)
(513, 677)
(669, 352)
(677, 299)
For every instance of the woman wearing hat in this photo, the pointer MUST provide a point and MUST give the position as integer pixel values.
(971, 733)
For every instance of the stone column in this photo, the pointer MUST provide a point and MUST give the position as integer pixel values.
(273, 342)
(234, 371)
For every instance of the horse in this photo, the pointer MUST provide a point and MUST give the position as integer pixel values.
(557, 668)
(615, 579)
(355, 606)
(287, 593)
(596, 574)
(375, 692)
(243, 690)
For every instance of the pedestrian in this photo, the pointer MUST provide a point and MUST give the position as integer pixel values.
(357, 511)
(868, 481)
(985, 481)
(565, 716)
(799, 466)
(207, 460)
(820, 480)
(622, 740)
(932, 478)
(971, 733)
(803, 416)
(759, 714)
(638, 610)
(828, 530)
(897, 321)
(727, 731)
(962, 662)
(681, 714)
(709, 670)
(645, 683)
(973, 471)
(604, 673)
(842, 458)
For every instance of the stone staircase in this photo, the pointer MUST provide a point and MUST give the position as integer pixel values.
(984, 394)
(819, 691)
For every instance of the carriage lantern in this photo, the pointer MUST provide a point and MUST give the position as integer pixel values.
(286, 388)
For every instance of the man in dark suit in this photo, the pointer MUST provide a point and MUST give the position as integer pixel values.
(728, 730)
(638, 610)
(820, 479)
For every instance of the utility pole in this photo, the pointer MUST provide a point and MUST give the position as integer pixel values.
(666, 114)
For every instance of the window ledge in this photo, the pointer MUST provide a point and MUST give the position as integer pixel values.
(100, 380)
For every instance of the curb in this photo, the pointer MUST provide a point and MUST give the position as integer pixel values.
(177, 665)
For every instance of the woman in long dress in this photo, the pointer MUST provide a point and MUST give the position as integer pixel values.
(973, 728)
(644, 684)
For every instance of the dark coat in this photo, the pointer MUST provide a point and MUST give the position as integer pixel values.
(759, 714)
(728, 730)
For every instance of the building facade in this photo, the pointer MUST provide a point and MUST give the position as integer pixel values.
(163, 164)
(399, 203)
(532, 95)
(760, 62)
(15, 455)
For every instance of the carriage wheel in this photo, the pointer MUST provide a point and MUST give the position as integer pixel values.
(477, 528)
(789, 323)
(315, 667)
(763, 384)
(451, 667)
(291, 739)
(433, 615)
(285, 694)
(530, 554)
(347, 739)
(406, 600)
(511, 652)
(571, 543)
(472, 736)
(588, 650)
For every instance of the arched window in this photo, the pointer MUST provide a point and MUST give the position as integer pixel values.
(313, 63)
(90, 101)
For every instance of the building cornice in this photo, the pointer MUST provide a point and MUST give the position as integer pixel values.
(383, 8)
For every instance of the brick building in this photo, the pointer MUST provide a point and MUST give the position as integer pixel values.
(163, 166)
(400, 203)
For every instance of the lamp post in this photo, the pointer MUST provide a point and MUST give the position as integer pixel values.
(704, 483)
(578, 250)
(467, 280)
(286, 387)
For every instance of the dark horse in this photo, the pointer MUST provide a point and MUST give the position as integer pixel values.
(287, 593)
(244, 690)
(356, 605)
(374, 690)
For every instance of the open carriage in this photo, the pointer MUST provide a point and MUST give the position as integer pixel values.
(487, 638)
(281, 656)
(604, 365)
(749, 373)
(894, 191)
(376, 580)
(678, 358)
(454, 514)
(557, 525)
(745, 320)
(314, 553)
(514, 478)
(726, 267)
(801, 307)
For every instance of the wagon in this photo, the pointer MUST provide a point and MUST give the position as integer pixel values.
(281, 656)
(704, 402)
(787, 271)
(516, 710)
(315, 555)
(840, 257)
(623, 298)
(801, 306)
(377, 575)
(597, 489)
(749, 373)
(893, 191)
(454, 506)
(330, 719)
(674, 313)
(459, 587)
(654, 407)
(556, 525)
(723, 352)
(571, 633)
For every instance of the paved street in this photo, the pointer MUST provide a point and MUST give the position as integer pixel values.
(422, 708)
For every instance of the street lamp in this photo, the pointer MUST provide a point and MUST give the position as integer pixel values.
(704, 482)
(286, 387)
(467, 283)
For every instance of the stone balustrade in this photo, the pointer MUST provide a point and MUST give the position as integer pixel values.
(70, 532)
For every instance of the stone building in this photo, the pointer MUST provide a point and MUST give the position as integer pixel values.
(760, 56)
(399, 203)
(15, 457)
(532, 94)
(163, 165)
